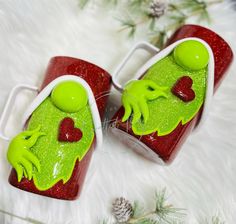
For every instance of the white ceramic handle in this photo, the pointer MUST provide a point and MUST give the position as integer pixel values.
(141, 45)
(9, 106)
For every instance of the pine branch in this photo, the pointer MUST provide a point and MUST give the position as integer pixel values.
(83, 3)
(178, 13)
(128, 24)
(167, 212)
(163, 213)
(146, 13)
(110, 2)
(136, 3)
(137, 209)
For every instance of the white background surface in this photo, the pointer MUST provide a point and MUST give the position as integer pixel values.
(202, 179)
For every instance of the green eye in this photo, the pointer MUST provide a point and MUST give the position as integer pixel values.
(69, 96)
(191, 55)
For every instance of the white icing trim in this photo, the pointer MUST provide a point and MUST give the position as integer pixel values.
(166, 51)
(92, 103)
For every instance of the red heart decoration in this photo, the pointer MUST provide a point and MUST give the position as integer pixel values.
(183, 89)
(68, 132)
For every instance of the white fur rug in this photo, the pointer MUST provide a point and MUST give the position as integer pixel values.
(202, 179)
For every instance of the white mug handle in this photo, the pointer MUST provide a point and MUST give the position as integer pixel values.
(141, 45)
(9, 106)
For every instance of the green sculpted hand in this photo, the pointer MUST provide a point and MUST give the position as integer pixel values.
(19, 155)
(135, 97)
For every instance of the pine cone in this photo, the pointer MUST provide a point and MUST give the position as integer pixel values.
(157, 8)
(122, 210)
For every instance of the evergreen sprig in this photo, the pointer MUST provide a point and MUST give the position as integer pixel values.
(156, 18)
(162, 213)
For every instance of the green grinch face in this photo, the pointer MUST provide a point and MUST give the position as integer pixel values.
(69, 96)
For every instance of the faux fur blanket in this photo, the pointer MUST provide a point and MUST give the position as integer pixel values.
(202, 179)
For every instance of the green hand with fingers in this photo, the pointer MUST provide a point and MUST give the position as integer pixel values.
(135, 97)
(19, 155)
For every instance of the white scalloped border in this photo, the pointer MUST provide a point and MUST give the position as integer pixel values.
(210, 76)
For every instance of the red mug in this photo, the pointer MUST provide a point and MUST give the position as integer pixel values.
(97, 83)
(163, 149)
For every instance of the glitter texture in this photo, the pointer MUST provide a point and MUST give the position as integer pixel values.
(167, 113)
(100, 82)
(57, 158)
(166, 147)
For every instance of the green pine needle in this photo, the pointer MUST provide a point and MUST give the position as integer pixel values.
(167, 213)
(137, 209)
(83, 3)
(176, 14)
(163, 213)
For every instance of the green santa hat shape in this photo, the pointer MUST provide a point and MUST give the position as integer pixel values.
(151, 102)
(48, 90)
(43, 155)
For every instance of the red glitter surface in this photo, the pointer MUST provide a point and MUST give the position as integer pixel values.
(100, 82)
(166, 147)
(68, 191)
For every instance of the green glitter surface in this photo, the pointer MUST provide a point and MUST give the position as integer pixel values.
(58, 159)
(167, 113)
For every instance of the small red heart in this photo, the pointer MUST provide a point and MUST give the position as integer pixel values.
(183, 89)
(68, 132)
